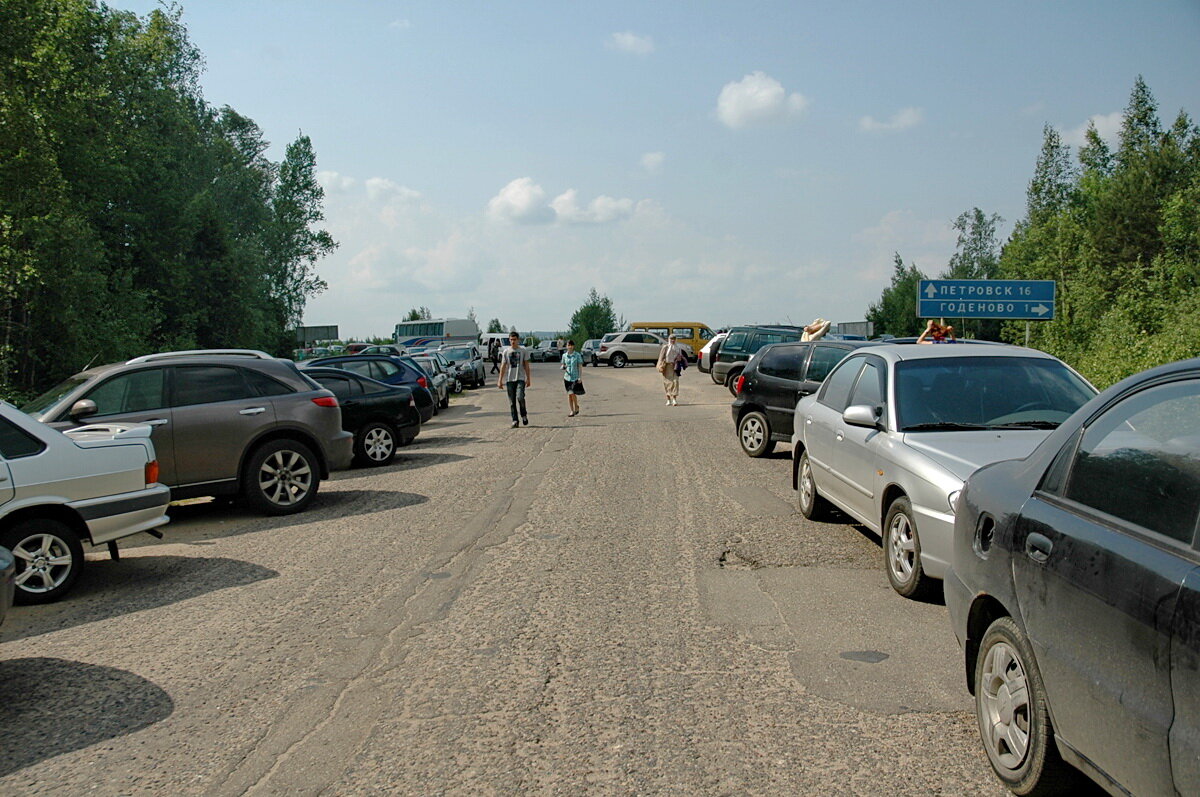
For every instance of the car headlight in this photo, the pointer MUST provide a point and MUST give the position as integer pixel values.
(952, 499)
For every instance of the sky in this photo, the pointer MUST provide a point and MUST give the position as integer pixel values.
(738, 162)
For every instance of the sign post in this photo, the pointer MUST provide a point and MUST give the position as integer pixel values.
(1015, 300)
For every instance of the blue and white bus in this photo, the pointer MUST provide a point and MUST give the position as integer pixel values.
(435, 331)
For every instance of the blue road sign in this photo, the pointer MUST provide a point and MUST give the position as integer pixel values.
(1012, 299)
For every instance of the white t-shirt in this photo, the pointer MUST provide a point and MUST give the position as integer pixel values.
(516, 359)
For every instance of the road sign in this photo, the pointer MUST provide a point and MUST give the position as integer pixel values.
(1030, 300)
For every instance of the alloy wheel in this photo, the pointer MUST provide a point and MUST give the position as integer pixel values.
(378, 444)
(285, 478)
(902, 548)
(47, 562)
(1004, 705)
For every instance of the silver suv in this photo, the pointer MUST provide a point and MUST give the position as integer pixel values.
(226, 422)
(619, 348)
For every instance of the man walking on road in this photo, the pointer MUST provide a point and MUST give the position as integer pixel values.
(514, 364)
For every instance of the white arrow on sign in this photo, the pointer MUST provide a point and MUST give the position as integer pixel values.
(931, 291)
(1040, 309)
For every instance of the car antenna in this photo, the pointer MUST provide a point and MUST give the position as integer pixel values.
(89, 365)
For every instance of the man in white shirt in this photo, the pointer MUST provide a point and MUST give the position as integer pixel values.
(515, 376)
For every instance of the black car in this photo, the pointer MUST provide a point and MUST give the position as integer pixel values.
(386, 369)
(1075, 593)
(771, 383)
(380, 416)
(741, 344)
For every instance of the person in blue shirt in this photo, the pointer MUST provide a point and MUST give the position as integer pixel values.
(572, 365)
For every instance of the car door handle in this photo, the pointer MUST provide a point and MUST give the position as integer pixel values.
(808, 420)
(1038, 547)
(349, 403)
(157, 422)
(252, 411)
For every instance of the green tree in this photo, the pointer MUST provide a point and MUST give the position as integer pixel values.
(1053, 176)
(896, 311)
(418, 314)
(976, 256)
(593, 319)
(495, 326)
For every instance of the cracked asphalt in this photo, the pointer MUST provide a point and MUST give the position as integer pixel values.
(620, 602)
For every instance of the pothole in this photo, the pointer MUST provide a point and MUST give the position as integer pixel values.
(732, 560)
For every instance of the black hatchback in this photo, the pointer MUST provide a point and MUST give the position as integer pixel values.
(381, 417)
(1075, 593)
(386, 369)
(774, 379)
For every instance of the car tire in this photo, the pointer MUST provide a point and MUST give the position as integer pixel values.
(808, 500)
(731, 381)
(754, 433)
(281, 478)
(446, 401)
(375, 444)
(902, 551)
(49, 557)
(618, 360)
(1014, 717)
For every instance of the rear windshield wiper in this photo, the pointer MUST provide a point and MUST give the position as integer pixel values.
(1027, 425)
(944, 427)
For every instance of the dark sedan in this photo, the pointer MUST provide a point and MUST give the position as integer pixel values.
(381, 417)
(386, 369)
(1075, 593)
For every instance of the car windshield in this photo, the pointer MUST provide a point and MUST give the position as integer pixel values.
(427, 366)
(964, 393)
(44, 402)
(456, 354)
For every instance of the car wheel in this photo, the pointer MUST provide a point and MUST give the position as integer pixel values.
(810, 502)
(618, 360)
(48, 555)
(1013, 715)
(446, 400)
(281, 478)
(375, 444)
(902, 551)
(731, 382)
(458, 386)
(754, 433)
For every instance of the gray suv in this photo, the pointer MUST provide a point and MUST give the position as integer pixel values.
(226, 422)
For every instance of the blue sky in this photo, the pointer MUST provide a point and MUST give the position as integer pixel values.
(722, 162)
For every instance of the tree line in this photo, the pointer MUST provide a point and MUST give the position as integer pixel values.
(134, 216)
(1118, 229)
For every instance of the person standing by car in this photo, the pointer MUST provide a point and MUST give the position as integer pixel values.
(515, 376)
(572, 365)
(668, 365)
(494, 354)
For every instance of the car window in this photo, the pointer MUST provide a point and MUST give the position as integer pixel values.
(1140, 461)
(735, 342)
(868, 390)
(338, 384)
(784, 362)
(362, 367)
(208, 384)
(662, 332)
(706, 333)
(370, 388)
(15, 442)
(822, 361)
(264, 385)
(685, 333)
(835, 393)
(52, 396)
(382, 369)
(134, 391)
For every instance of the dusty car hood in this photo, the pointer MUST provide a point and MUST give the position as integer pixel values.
(962, 453)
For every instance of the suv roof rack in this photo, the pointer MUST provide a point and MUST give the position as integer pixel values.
(165, 355)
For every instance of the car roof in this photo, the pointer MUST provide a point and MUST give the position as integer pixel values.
(897, 352)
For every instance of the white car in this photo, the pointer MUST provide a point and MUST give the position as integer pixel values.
(95, 483)
(619, 348)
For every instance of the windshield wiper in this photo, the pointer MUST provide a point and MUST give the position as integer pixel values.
(944, 426)
(1027, 425)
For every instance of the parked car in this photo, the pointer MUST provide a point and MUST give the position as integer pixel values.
(389, 370)
(356, 348)
(895, 429)
(589, 350)
(467, 363)
(393, 351)
(381, 417)
(619, 348)
(693, 334)
(439, 380)
(772, 382)
(8, 584)
(1075, 594)
(546, 351)
(96, 484)
(225, 421)
(704, 360)
(741, 344)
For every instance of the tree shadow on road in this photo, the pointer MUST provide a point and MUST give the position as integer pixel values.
(53, 706)
(110, 589)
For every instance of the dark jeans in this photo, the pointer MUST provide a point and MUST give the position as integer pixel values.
(516, 397)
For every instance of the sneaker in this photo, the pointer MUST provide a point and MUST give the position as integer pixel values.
(515, 424)
(674, 402)
(524, 420)
(668, 402)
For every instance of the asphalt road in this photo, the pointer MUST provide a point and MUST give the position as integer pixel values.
(616, 602)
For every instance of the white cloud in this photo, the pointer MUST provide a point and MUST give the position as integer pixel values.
(901, 120)
(926, 242)
(1108, 125)
(653, 162)
(333, 182)
(601, 210)
(522, 201)
(630, 42)
(757, 99)
(400, 24)
(383, 189)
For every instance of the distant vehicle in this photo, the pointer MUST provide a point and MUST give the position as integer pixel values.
(389, 370)
(436, 331)
(439, 380)
(546, 351)
(896, 429)
(693, 333)
(740, 345)
(381, 417)
(226, 422)
(589, 350)
(1075, 595)
(704, 359)
(773, 381)
(394, 351)
(619, 348)
(355, 348)
(466, 363)
(96, 484)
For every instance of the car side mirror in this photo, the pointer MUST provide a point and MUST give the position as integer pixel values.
(862, 415)
(83, 408)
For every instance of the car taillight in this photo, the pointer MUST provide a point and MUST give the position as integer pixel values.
(151, 472)
(603, 348)
(739, 384)
(325, 401)
(423, 382)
